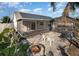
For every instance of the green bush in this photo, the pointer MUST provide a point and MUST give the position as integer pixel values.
(8, 45)
(5, 19)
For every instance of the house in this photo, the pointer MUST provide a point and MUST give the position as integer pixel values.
(26, 22)
(64, 23)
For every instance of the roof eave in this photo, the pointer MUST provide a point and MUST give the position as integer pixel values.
(33, 19)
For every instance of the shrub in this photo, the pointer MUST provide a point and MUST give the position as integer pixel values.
(8, 44)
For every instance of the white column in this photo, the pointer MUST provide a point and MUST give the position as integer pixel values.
(35, 25)
(29, 26)
(44, 25)
(15, 22)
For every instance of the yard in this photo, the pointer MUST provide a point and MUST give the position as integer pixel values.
(54, 43)
(44, 43)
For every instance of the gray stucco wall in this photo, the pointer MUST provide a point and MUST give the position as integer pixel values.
(5, 25)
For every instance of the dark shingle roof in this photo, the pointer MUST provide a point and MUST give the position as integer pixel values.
(22, 15)
(29, 16)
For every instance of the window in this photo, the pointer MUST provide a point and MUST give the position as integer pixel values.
(41, 23)
(33, 25)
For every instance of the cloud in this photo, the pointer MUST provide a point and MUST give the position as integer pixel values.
(61, 5)
(50, 9)
(57, 13)
(25, 10)
(38, 10)
(30, 3)
(1, 10)
(9, 4)
(13, 4)
(77, 10)
(3, 4)
(49, 5)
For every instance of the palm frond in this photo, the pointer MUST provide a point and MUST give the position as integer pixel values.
(74, 5)
(53, 5)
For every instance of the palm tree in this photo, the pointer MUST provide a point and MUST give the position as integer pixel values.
(71, 6)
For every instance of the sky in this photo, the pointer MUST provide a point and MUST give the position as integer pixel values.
(42, 8)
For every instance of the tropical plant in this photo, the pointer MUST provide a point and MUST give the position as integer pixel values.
(5, 19)
(72, 6)
(9, 45)
(5, 41)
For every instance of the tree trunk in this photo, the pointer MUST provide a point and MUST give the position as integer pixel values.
(66, 10)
